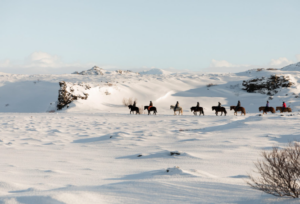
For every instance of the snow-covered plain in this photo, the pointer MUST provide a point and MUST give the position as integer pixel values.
(95, 152)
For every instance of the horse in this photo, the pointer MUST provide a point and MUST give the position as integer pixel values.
(266, 109)
(134, 108)
(197, 109)
(242, 109)
(219, 109)
(179, 109)
(151, 109)
(279, 108)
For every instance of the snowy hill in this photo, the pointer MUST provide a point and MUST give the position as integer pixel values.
(34, 93)
(292, 67)
(156, 72)
(99, 71)
(93, 151)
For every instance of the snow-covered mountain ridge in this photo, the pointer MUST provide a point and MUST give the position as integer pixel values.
(292, 67)
(100, 71)
(34, 93)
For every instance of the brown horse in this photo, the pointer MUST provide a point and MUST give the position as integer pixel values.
(266, 109)
(279, 108)
(242, 109)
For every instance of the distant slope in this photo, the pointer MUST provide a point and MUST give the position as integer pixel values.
(155, 72)
(99, 71)
(34, 93)
(292, 67)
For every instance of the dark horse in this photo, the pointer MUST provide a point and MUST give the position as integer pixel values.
(242, 109)
(266, 109)
(196, 109)
(132, 109)
(151, 109)
(219, 109)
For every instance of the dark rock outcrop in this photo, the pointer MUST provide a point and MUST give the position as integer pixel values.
(267, 85)
(66, 94)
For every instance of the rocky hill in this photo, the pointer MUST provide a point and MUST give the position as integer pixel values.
(99, 71)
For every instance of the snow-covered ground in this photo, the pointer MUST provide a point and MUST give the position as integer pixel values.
(95, 152)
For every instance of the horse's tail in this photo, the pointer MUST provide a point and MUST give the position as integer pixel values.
(272, 110)
(244, 110)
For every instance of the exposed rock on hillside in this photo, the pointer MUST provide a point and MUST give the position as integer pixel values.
(69, 92)
(99, 71)
(267, 85)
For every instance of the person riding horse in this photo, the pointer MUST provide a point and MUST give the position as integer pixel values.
(176, 106)
(198, 105)
(219, 105)
(267, 106)
(150, 105)
(237, 106)
(283, 106)
(134, 104)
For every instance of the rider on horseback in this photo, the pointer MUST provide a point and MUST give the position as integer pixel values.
(219, 105)
(237, 106)
(267, 106)
(198, 105)
(134, 104)
(150, 105)
(283, 106)
(176, 106)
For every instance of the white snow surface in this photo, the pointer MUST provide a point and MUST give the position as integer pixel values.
(96, 152)
(292, 67)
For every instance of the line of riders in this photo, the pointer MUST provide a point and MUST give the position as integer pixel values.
(217, 109)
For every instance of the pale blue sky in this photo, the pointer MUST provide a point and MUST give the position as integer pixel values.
(182, 34)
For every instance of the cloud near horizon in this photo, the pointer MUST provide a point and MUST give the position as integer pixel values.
(44, 63)
(225, 66)
(224, 63)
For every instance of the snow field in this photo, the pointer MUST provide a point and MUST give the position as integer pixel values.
(90, 152)
(93, 158)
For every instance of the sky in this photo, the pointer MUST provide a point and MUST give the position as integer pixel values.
(43, 36)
